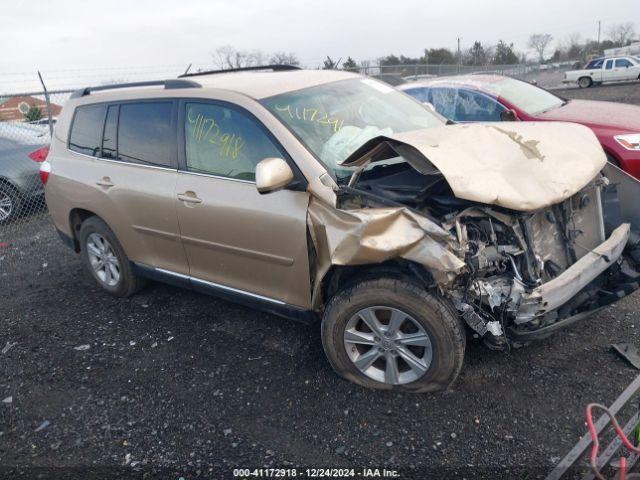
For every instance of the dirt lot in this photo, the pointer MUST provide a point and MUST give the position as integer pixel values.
(173, 384)
(628, 92)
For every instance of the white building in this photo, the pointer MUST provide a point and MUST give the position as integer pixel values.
(633, 49)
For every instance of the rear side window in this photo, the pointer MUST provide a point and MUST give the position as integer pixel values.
(145, 134)
(110, 137)
(86, 131)
(623, 62)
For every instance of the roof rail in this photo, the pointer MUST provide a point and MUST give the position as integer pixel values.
(168, 84)
(273, 68)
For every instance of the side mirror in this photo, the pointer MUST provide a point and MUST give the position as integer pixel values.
(508, 116)
(272, 174)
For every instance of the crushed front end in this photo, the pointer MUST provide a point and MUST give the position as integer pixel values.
(531, 273)
(548, 232)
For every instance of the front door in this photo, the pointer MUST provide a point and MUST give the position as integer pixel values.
(234, 237)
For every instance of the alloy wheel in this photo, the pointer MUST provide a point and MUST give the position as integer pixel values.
(103, 259)
(388, 345)
(6, 206)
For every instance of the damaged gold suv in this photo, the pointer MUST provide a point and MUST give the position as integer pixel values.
(327, 195)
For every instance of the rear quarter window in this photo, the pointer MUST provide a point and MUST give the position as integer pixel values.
(86, 129)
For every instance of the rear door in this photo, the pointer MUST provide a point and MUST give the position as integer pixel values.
(623, 70)
(132, 176)
(235, 238)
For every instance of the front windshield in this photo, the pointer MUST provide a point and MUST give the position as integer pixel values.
(333, 120)
(524, 96)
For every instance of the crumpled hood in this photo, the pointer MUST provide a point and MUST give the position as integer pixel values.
(523, 166)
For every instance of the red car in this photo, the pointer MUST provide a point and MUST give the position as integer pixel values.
(487, 98)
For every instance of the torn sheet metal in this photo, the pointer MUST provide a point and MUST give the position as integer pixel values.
(524, 166)
(374, 235)
(621, 198)
(551, 295)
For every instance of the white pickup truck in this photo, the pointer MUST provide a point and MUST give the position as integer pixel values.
(611, 69)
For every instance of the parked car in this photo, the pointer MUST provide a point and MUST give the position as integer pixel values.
(22, 148)
(493, 98)
(599, 70)
(324, 195)
(43, 121)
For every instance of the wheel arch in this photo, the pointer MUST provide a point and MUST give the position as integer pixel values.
(591, 82)
(339, 277)
(77, 217)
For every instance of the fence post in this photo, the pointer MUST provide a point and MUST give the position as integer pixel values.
(46, 98)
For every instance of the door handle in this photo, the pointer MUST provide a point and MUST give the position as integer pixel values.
(189, 197)
(105, 182)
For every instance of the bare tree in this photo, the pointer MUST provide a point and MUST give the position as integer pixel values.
(226, 57)
(539, 42)
(284, 58)
(572, 46)
(621, 33)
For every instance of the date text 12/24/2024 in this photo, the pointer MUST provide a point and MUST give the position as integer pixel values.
(286, 473)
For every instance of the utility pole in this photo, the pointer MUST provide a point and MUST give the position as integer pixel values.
(599, 25)
(459, 56)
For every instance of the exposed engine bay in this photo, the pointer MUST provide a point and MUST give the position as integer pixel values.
(528, 273)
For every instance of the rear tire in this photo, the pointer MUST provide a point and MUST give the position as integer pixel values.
(105, 259)
(395, 350)
(585, 82)
(10, 203)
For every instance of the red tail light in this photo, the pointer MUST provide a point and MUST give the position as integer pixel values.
(45, 170)
(40, 155)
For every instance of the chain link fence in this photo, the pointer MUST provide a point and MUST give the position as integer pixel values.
(548, 75)
(26, 121)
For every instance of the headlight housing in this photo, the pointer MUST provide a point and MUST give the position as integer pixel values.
(630, 141)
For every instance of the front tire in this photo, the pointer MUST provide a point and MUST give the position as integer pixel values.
(585, 82)
(391, 334)
(105, 259)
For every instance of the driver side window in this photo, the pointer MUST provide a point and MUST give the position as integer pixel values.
(476, 107)
(224, 142)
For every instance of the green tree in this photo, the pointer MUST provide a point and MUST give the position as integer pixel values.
(34, 113)
(504, 54)
(439, 56)
(350, 64)
(329, 64)
(476, 55)
(401, 60)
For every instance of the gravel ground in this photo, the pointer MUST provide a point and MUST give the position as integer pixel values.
(627, 92)
(171, 384)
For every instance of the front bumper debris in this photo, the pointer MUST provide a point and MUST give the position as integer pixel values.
(555, 293)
